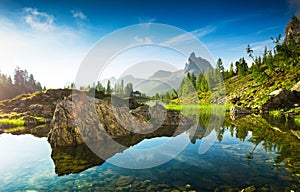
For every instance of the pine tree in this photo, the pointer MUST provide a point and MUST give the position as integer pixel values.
(108, 88)
(220, 66)
(231, 71)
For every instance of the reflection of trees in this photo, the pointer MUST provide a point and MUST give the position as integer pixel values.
(263, 131)
(209, 119)
(285, 144)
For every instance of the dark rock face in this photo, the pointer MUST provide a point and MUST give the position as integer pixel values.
(296, 89)
(63, 117)
(280, 99)
(79, 119)
(292, 31)
(238, 112)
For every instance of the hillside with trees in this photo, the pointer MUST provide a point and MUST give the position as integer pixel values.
(22, 83)
(247, 84)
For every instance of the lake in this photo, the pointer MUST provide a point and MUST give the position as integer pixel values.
(251, 151)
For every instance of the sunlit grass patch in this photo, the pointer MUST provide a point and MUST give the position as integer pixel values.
(10, 123)
(198, 108)
(12, 115)
(297, 120)
(40, 120)
(276, 113)
(14, 129)
(175, 107)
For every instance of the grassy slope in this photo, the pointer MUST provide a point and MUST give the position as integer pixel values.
(252, 94)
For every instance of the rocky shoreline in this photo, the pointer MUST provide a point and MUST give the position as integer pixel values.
(42, 107)
(71, 115)
(286, 101)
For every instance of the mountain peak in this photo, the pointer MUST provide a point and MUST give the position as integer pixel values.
(193, 55)
(292, 30)
(196, 65)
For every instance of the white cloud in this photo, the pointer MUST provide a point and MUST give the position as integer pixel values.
(78, 15)
(146, 40)
(52, 56)
(38, 20)
(198, 33)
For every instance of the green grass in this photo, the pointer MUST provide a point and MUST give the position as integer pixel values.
(175, 107)
(297, 120)
(228, 106)
(209, 108)
(12, 115)
(10, 123)
(40, 120)
(252, 94)
(294, 111)
(276, 114)
(15, 129)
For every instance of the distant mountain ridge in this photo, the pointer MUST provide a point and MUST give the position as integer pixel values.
(162, 81)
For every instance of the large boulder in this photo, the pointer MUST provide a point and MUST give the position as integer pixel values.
(238, 112)
(280, 99)
(82, 119)
(296, 89)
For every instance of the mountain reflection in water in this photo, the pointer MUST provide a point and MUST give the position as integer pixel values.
(257, 151)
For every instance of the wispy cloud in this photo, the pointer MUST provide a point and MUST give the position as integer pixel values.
(260, 45)
(198, 33)
(147, 20)
(78, 15)
(146, 40)
(38, 20)
(267, 29)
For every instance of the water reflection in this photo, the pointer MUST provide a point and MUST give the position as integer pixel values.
(248, 151)
(74, 159)
(253, 129)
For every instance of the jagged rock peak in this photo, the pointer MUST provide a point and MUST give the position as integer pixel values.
(292, 30)
(196, 64)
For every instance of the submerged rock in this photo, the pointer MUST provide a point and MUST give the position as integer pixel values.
(238, 112)
(248, 189)
(124, 180)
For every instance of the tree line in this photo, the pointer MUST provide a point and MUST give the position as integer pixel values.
(22, 83)
(119, 88)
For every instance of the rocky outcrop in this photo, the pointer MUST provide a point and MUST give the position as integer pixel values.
(81, 119)
(40, 104)
(280, 99)
(292, 31)
(238, 112)
(296, 89)
(196, 65)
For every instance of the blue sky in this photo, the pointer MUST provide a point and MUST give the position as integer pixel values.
(50, 38)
